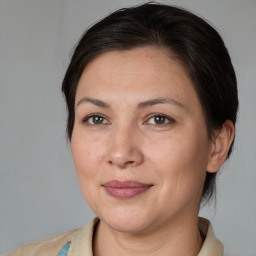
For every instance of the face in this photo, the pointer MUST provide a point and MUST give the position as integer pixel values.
(139, 142)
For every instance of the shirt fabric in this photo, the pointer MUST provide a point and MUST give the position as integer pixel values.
(78, 242)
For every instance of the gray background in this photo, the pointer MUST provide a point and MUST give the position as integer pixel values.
(39, 193)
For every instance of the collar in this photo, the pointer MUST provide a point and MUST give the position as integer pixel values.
(211, 246)
(82, 243)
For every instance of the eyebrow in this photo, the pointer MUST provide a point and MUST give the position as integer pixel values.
(153, 102)
(144, 104)
(95, 102)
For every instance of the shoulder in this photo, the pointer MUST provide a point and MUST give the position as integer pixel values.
(48, 246)
(80, 243)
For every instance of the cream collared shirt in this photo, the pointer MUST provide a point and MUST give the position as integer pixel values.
(81, 243)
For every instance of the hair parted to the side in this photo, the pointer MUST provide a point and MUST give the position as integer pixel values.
(195, 43)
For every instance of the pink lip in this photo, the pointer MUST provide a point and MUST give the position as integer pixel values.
(125, 189)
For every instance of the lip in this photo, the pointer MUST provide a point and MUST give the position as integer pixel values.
(125, 189)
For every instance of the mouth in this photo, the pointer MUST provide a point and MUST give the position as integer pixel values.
(125, 189)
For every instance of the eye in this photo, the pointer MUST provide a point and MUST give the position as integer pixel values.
(160, 119)
(95, 119)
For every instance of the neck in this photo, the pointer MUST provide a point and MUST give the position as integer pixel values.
(180, 238)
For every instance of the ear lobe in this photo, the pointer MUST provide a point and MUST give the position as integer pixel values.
(221, 143)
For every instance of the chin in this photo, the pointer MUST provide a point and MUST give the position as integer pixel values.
(129, 221)
(126, 226)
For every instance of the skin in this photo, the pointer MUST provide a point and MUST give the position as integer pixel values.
(128, 143)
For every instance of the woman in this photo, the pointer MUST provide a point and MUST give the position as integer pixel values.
(152, 102)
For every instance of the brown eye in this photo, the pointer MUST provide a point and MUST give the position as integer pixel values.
(95, 120)
(160, 120)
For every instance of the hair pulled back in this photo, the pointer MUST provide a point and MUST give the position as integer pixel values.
(193, 42)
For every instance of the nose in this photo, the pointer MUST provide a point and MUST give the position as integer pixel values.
(125, 149)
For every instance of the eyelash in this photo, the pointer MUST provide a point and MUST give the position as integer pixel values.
(85, 120)
(167, 118)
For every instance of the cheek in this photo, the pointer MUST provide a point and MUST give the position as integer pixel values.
(88, 154)
(178, 152)
(181, 161)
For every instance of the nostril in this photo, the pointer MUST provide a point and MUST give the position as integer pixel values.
(123, 164)
(129, 162)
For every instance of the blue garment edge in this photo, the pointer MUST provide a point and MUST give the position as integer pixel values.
(64, 250)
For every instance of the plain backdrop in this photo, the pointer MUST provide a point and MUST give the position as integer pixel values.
(39, 193)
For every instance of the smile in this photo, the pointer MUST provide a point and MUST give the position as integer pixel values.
(125, 189)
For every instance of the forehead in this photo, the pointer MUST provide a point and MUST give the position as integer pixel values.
(145, 72)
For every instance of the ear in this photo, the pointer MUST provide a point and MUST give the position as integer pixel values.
(221, 143)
